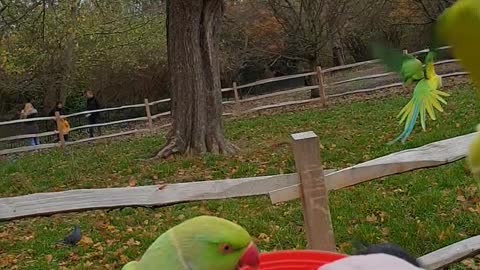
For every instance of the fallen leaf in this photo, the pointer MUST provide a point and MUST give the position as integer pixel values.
(124, 259)
(382, 215)
(264, 237)
(385, 231)
(74, 257)
(132, 242)
(85, 241)
(372, 218)
(470, 263)
(132, 182)
(343, 247)
(461, 198)
(49, 258)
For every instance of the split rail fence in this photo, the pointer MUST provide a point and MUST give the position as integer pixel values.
(310, 183)
(237, 102)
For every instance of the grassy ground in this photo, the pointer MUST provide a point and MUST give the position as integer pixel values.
(422, 210)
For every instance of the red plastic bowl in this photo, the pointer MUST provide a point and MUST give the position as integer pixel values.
(296, 260)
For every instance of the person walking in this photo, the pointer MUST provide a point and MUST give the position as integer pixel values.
(30, 127)
(92, 104)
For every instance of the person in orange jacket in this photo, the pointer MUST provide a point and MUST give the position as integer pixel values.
(65, 126)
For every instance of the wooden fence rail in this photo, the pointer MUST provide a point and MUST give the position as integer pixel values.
(148, 118)
(280, 188)
(310, 183)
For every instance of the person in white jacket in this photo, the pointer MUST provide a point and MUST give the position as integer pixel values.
(378, 261)
(385, 256)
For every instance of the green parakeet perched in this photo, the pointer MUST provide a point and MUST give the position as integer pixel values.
(426, 96)
(459, 27)
(200, 243)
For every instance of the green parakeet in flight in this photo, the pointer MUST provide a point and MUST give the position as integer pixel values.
(426, 96)
(459, 27)
(200, 243)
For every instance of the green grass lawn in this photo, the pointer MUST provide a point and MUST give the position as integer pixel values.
(422, 210)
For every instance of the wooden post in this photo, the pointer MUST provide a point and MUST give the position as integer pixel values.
(316, 212)
(61, 140)
(321, 86)
(149, 115)
(236, 108)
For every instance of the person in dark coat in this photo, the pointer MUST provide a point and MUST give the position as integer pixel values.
(64, 123)
(92, 104)
(30, 127)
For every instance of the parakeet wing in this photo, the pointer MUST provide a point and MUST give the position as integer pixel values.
(459, 27)
(426, 98)
(473, 157)
(408, 67)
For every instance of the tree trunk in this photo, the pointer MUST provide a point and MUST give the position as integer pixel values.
(193, 29)
(57, 84)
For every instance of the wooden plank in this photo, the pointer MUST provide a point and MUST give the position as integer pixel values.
(451, 254)
(27, 136)
(104, 110)
(321, 86)
(276, 79)
(108, 136)
(358, 64)
(159, 101)
(363, 78)
(286, 92)
(314, 194)
(228, 102)
(430, 155)
(427, 50)
(148, 196)
(161, 114)
(27, 148)
(283, 104)
(143, 118)
(460, 73)
(26, 120)
(226, 89)
(447, 61)
(237, 108)
(149, 115)
(367, 90)
(382, 87)
(385, 74)
(372, 61)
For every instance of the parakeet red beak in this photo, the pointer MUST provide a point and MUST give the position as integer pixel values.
(250, 258)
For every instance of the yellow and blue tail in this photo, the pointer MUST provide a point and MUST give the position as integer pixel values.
(410, 112)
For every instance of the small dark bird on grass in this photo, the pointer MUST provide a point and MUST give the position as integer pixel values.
(389, 249)
(73, 238)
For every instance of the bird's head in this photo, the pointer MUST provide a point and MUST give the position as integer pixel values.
(211, 243)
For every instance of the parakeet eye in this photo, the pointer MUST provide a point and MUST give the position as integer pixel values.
(225, 249)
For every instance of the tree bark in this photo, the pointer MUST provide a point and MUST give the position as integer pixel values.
(193, 29)
(57, 85)
(312, 80)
